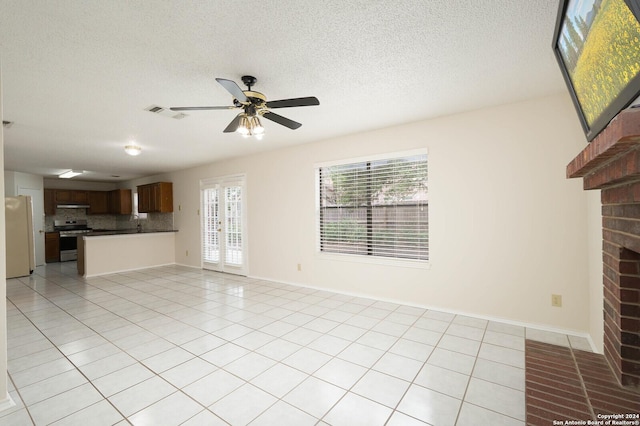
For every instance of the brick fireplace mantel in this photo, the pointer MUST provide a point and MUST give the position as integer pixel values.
(608, 159)
(611, 162)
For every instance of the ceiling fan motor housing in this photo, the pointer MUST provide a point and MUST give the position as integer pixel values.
(249, 81)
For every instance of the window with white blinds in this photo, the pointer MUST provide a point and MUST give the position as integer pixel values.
(375, 208)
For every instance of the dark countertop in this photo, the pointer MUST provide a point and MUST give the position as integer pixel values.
(101, 232)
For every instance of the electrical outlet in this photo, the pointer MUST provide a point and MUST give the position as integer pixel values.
(556, 300)
(299, 267)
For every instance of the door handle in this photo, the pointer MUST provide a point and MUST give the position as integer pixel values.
(41, 231)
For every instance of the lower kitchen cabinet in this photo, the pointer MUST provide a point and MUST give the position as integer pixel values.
(52, 247)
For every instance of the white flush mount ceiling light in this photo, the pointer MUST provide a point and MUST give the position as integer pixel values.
(132, 150)
(70, 173)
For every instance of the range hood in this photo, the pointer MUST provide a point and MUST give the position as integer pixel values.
(72, 206)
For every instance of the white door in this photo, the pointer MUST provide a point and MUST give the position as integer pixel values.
(37, 202)
(223, 226)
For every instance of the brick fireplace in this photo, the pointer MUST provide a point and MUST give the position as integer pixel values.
(611, 162)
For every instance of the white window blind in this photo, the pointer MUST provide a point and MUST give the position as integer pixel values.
(210, 236)
(375, 208)
(233, 217)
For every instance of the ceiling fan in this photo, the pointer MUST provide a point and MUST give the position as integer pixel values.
(253, 105)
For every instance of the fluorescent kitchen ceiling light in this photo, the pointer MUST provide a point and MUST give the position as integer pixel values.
(70, 174)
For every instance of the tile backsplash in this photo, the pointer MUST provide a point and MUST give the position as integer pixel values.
(154, 221)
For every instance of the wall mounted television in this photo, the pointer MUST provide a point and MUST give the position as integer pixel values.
(597, 45)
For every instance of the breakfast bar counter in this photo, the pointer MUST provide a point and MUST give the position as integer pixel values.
(109, 252)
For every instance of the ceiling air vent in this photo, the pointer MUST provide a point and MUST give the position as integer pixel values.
(7, 124)
(165, 112)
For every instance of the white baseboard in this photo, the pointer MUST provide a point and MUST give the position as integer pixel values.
(6, 403)
(189, 266)
(121, 271)
(542, 327)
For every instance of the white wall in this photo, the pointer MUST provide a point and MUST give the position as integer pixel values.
(15, 180)
(135, 251)
(507, 229)
(5, 400)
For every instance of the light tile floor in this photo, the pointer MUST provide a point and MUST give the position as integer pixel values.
(180, 346)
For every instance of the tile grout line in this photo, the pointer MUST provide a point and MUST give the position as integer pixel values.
(475, 361)
(75, 367)
(72, 363)
(126, 418)
(257, 301)
(108, 340)
(14, 384)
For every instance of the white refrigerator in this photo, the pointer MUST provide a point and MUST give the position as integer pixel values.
(20, 244)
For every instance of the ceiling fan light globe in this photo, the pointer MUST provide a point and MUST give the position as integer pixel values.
(244, 128)
(256, 125)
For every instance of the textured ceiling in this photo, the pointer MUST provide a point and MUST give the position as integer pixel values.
(77, 75)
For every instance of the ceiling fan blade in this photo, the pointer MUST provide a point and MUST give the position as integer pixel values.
(281, 120)
(294, 102)
(233, 126)
(233, 88)
(201, 108)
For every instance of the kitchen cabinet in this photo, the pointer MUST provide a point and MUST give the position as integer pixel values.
(155, 198)
(52, 247)
(49, 202)
(120, 201)
(144, 198)
(117, 201)
(70, 196)
(98, 202)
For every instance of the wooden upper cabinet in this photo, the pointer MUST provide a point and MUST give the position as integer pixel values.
(70, 196)
(144, 198)
(120, 201)
(62, 196)
(155, 198)
(98, 202)
(49, 202)
(117, 201)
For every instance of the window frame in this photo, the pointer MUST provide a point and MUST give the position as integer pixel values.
(361, 258)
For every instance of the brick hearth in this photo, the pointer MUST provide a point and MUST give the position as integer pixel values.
(568, 384)
(611, 162)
